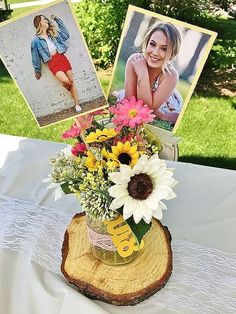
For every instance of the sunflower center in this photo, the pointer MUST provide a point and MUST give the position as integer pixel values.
(133, 113)
(124, 158)
(140, 186)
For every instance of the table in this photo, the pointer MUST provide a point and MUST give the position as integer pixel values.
(202, 221)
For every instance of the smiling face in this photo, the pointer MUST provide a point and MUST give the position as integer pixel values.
(156, 50)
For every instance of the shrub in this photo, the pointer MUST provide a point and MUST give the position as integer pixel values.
(186, 10)
(101, 22)
(5, 14)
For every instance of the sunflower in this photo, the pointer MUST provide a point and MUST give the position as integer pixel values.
(101, 135)
(141, 189)
(111, 165)
(92, 163)
(126, 153)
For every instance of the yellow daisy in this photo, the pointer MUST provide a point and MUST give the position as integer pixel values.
(92, 163)
(100, 135)
(125, 153)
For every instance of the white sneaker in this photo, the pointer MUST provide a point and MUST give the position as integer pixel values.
(78, 108)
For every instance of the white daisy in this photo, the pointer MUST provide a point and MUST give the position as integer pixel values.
(140, 189)
(58, 193)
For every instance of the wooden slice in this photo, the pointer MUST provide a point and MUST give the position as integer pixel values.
(127, 284)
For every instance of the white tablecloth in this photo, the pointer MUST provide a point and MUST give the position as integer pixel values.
(202, 221)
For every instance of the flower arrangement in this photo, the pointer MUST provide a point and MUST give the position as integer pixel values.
(114, 168)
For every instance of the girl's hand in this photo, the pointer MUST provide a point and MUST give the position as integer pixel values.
(37, 75)
(139, 64)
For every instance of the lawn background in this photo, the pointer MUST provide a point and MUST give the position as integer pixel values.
(208, 128)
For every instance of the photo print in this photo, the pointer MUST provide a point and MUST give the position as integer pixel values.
(47, 57)
(159, 60)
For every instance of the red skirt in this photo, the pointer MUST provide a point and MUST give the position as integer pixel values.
(59, 62)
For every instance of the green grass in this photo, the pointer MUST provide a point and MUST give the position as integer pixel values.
(21, 11)
(207, 128)
(208, 132)
(16, 118)
(18, 1)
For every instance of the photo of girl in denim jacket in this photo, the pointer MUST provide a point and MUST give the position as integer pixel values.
(49, 46)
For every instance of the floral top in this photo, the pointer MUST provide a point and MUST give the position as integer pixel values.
(173, 103)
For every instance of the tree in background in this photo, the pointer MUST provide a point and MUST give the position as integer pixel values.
(102, 20)
(186, 10)
(5, 11)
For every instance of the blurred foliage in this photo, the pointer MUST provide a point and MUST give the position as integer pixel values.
(186, 10)
(223, 53)
(5, 14)
(223, 4)
(101, 22)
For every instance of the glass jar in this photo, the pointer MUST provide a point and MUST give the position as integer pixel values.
(102, 245)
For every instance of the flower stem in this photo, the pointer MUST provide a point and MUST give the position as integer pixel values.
(82, 133)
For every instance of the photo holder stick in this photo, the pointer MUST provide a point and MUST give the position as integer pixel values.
(77, 121)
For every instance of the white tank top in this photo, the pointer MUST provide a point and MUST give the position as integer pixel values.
(51, 47)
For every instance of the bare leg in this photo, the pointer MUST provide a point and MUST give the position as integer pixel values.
(63, 79)
(73, 90)
(66, 82)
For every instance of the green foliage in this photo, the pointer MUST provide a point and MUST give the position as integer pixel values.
(5, 14)
(101, 22)
(140, 229)
(223, 4)
(185, 10)
(223, 54)
(65, 188)
(208, 132)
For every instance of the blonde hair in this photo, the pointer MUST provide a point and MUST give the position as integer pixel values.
(173, 42)
(51, 31)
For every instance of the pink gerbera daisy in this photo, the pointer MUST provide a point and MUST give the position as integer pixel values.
(74, 131)
(79, 148)
(131, 113)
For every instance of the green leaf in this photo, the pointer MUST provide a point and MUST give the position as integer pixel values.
(140, 229)
(65, 188)
(120, 210)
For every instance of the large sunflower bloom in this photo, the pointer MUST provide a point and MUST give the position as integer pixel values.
(141, 189)
(100, 135)
(125, 153)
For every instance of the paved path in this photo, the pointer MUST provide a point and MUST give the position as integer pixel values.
(34, 3)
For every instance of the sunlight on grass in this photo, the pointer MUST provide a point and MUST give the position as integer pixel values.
(208, 130)
(17, 118)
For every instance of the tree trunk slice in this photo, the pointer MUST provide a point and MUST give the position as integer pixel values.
(127, 284)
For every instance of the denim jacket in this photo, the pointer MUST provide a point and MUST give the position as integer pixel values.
(39, 48)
